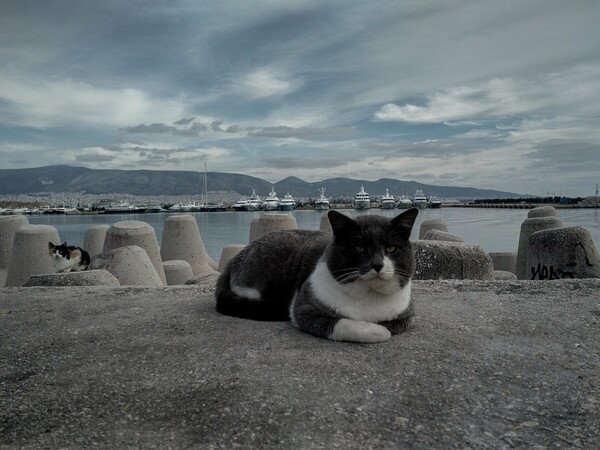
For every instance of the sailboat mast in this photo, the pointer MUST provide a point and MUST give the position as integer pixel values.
(205, 186)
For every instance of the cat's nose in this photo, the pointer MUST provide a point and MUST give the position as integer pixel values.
(377, 266)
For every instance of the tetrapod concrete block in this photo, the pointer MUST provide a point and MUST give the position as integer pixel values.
(177, 272)
(227, 254)
(542, 211)
(30, 253)
(432, 224)
(326, 225)
(82, 278)
(181, 241)
(93, 240)
(435, 260)
(8, 227)
(504, 275)
(131, 265)
(528, 227)
(437, 235)
(135, 232)
(562, 253)
(505, 261)
(271, 222)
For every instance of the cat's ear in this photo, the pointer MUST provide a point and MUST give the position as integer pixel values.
(340, 222)
(64, 243)
(403, 223)
(50, 245)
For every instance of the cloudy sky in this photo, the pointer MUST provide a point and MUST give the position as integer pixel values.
(489, 94)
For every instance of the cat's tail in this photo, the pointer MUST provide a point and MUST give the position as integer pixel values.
(231, 303)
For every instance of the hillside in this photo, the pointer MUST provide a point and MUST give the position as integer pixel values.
(166, 182)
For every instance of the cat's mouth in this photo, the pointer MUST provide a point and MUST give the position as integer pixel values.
(372, 274)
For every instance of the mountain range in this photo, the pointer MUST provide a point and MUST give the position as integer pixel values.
(62, 178)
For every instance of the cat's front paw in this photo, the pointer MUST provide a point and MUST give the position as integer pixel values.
(359, 331)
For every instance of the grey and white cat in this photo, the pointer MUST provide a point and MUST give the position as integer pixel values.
(67, 258)
(354, 286)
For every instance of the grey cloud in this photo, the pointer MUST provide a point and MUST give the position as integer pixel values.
(286, 132)
(155, 128)
(184, 121)
(93, 157)
(564, 153)
(431, 149)
(291, 162)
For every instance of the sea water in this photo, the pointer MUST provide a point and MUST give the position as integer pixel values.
(495, 230)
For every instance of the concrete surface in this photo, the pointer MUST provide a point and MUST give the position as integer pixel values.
(488, 365)
(445, 260)
(99, 277)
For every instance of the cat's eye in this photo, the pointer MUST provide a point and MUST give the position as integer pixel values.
(390, 249)
(359, 248)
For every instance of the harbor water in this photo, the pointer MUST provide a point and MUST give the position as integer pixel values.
(495, 230)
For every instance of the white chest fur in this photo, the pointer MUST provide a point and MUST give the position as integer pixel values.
(357, 300)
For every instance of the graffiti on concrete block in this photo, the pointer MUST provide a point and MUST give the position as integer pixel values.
(544, 272)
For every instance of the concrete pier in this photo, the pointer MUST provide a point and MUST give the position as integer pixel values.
(494, 365)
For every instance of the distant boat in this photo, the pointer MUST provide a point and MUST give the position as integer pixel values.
(271, 202)
(405, 202)
(362, 199)
(123, 208)
(254, 202)
(241, 205)
(419, 199)
(185, 207)
(434, 202)
(213, 207)
(322, 204)
(287, 203)
(387, 201)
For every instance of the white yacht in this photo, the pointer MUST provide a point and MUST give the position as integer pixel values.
(123, 208)
(362, 199)
(419, 200)
(387, 201)
(322, 204)
(434, 202)
(405, 202)
(287, 203)
(254, 202)
(241, 205)
(271, 202)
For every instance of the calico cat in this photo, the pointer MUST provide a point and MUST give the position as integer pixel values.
(354, 286)
(67, 258)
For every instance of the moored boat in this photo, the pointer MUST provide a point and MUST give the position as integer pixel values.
(254, 202)
(322, 204)
(287, 203)
(387, 201)
(271, 202)
(241, 205)
(123, 208)
(404, 202)
(213, 207)
(419, 200)
(434, 202)
(362, 199)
